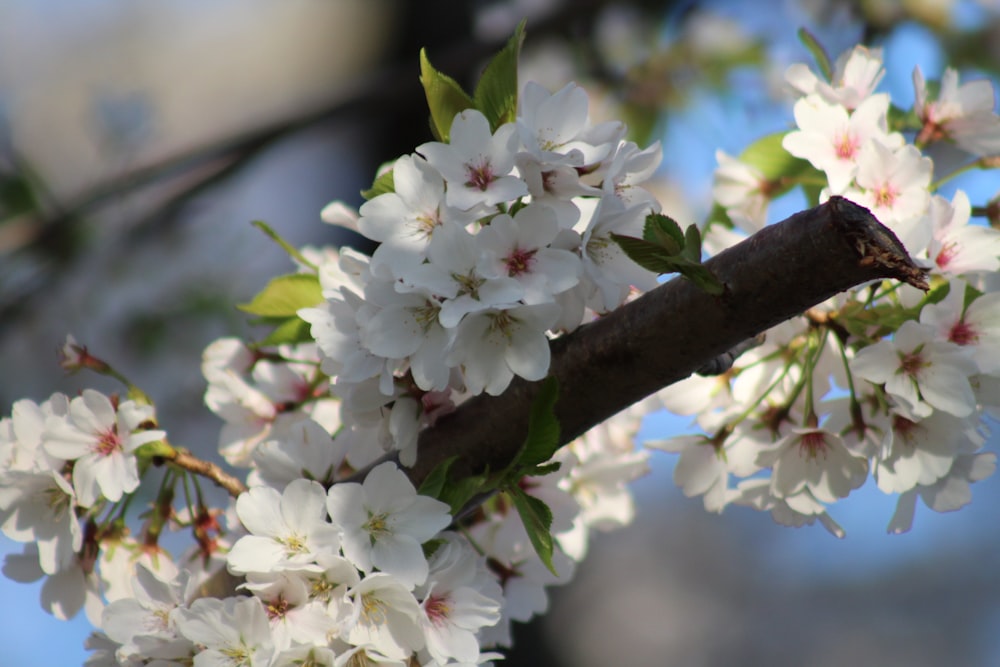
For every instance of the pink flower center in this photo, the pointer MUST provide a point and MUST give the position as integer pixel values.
(845, 146)
(963, 334)
(277, 608)
(813, 444)
(885, 196)
(480, 176)
(520, 261)
(438, 608)
(109, 442)
(947, 254)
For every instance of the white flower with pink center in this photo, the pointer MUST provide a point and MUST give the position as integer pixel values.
(963, 114)
(920, 452)
(518, 248)
(831, 138)
(477, 164)
(976, 327)
(815, 460)
(101, 441)
(454, 608)
(956, 247)
(893, 184)
(920, 370)
(453, 274)
(855, 75)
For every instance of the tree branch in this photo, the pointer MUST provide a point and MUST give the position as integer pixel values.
(670, 332)
(207, 469)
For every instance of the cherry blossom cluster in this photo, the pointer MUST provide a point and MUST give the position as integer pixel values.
(882, 381)
(490, 245)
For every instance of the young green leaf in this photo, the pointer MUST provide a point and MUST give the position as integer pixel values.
(692, 244)
(496, 92)
(656, 259)
(543, 427)
(292, 251)
(818, 53)
(435, 481)
(285, 295)
(287, 331)
(457, 493)
(445, 98)
(771, 159)
(648, 255)
(537, 519)
(701, 276)
(664, 232)
(383, 184)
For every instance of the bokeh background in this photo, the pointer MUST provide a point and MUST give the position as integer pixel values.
(138, 139)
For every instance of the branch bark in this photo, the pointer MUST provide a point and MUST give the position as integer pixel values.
(670, 332)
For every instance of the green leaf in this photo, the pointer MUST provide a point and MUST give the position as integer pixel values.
(646, 254)
(772, 160)
(292, 251)
(692, 244)
(445, 98)
(537, 519)
(287, 331)
(458, 493)
(664, 232)
(285, 295)
(819, 54)
(701, 276)
(383, 184)
(496, 92)
(435, 481)
(542, 470)
(654, 258)
(542, 440)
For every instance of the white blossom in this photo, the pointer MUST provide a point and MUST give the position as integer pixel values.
(383, 523)
(101, 441)
(476, 163)
(288, 530)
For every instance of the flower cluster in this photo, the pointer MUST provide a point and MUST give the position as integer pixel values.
(488, 244)
(56, 459)
(803, 420)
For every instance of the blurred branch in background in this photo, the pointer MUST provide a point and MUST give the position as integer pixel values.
(35, 220)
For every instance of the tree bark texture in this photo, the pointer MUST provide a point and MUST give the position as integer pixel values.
(672, 331)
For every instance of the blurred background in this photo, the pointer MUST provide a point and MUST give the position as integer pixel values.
(139, 139)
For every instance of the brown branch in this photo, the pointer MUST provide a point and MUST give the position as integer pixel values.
(185, 460)
(670, 332)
